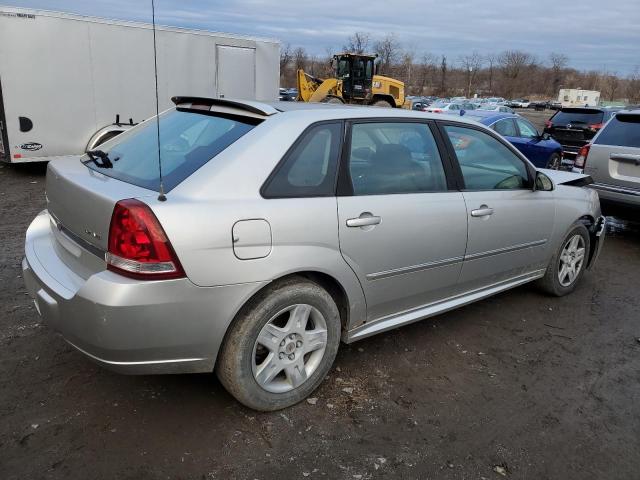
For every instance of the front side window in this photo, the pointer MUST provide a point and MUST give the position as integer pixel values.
(486, 163)
(309, 168)
(388, 158)
(506, 128)
(526, 129)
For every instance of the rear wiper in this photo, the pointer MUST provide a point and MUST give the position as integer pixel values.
(105, 161)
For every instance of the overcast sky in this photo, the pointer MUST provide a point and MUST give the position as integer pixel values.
(594, 34)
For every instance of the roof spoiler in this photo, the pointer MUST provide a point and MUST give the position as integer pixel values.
(257, 108)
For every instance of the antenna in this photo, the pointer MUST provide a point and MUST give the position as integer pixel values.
(161, 197)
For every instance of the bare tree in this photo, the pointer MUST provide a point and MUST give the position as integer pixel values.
(388, 50)
(492, 60)
(357, 43)
(285, 59)
(299, 58)
(427, 67)
(558, 62)
(611, 85)
(443, 75)
(633, 86)
(471, 65)
(513, 64)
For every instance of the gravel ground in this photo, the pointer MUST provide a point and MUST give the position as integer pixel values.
(522, 384)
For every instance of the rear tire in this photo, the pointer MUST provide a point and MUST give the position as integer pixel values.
(333, 99)
(554, 161)
(381, 103)
(281, 345)
(568, 264)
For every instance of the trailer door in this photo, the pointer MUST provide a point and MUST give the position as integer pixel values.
(4, 140)
(236, 72)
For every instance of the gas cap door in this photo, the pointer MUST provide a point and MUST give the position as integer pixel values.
(251, 239)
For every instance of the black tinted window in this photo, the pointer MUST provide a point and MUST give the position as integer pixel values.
(576, 116)
(309, 169)
(188, 140)
(398, 157)
(623, 130)
(485, 162)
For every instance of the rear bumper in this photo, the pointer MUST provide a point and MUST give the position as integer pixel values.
(126, 325)
(615, 194)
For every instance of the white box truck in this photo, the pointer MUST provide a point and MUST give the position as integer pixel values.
(70, 82)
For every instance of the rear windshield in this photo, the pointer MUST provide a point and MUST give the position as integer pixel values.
(587, 117)
(188, 140)
(623, 131)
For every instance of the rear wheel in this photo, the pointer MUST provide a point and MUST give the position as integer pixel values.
(381, 103)
(332, 99)
(554, 161)
(281, 346)
(568, 264)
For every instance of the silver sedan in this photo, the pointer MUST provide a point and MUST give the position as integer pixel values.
(258, 236)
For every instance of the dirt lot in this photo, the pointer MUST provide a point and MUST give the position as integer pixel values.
(543, 388)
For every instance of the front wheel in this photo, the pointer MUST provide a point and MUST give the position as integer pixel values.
(381, 103)
(281, 346)
(554, 161)
(567, 265)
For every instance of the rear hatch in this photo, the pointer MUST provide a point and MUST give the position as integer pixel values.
(614, 157)
(80, 202)
(574, 127)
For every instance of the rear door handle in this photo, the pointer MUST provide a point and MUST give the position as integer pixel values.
(365, 219)
(626, 158)
(483, 211)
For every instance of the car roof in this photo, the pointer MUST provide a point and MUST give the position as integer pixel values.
(488, 117)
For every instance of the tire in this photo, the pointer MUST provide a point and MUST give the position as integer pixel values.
(555, 161)
(268, 319)
(381, 103)
(333, 99)
(551, 283)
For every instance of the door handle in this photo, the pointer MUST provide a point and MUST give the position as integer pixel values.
(483, 211)
(365, 219)
(626, 158)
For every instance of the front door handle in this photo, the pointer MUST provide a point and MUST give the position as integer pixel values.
(483, 211)
(365, 219)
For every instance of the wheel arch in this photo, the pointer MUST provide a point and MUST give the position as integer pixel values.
(387, 98)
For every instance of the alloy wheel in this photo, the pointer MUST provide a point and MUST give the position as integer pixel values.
(289, 348)
(571, 260)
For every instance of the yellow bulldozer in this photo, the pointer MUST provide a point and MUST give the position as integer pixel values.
(355, 82)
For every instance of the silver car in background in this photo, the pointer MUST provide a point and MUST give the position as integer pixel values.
(612, 159)
(287, 228)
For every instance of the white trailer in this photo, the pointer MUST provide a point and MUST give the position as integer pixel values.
(576, 97)
(69, 82)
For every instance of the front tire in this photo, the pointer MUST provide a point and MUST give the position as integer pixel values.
(567, 265)
(281, 345)
(554, 161)
(382, 103)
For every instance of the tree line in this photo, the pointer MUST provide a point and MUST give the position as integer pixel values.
(509, 74)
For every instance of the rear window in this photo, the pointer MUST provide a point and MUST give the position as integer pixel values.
(575, 116)
(188, 140)
(623, 131)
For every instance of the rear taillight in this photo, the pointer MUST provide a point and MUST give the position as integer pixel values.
(596, 126)
(548, 124)
(581, 158)
(138, 246)
(436, 110)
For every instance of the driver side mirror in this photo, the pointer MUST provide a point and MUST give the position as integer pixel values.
(462, 112)
(542, 183)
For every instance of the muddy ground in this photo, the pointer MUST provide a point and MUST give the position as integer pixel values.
(537, 387)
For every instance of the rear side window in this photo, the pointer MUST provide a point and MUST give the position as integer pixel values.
(506, 128)
(388, 158)
(623, 131)
(309, 168)
(188, 140)
(578, 117)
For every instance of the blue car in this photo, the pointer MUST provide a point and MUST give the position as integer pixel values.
(541, 150)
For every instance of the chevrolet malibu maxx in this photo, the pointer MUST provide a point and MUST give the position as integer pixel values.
(281, 230)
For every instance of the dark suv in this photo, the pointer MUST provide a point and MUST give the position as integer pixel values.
(574, 127)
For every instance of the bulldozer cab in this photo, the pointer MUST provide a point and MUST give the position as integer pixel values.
(356, 73)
